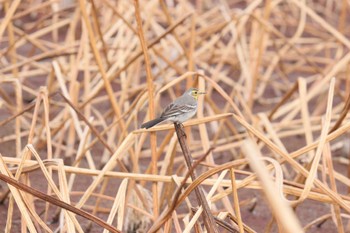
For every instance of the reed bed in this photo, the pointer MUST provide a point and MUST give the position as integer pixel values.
(269, 141)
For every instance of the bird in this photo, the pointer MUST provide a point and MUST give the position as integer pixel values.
(180, 110)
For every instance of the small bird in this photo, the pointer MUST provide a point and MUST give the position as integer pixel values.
(182, 109)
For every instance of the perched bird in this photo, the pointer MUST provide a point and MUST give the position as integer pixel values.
(182, 109)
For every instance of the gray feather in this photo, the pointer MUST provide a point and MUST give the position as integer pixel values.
(152, 123)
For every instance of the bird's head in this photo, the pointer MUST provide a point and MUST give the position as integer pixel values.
(194, 92)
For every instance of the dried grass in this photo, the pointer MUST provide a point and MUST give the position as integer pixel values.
(77, 79)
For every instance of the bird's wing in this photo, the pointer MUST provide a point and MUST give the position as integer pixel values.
(174, 109)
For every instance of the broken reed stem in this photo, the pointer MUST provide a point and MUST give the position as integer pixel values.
(176, 199)
(342, 115)
(57, 202)
(283, 100)
(208, 218)
(150, 87)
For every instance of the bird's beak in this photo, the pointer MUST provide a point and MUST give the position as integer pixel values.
(202, 92)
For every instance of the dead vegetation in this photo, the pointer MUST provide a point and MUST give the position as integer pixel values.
(77, 79)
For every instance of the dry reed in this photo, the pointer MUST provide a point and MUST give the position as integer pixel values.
(77, 79)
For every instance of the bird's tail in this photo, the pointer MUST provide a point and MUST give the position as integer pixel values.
(152, 123)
